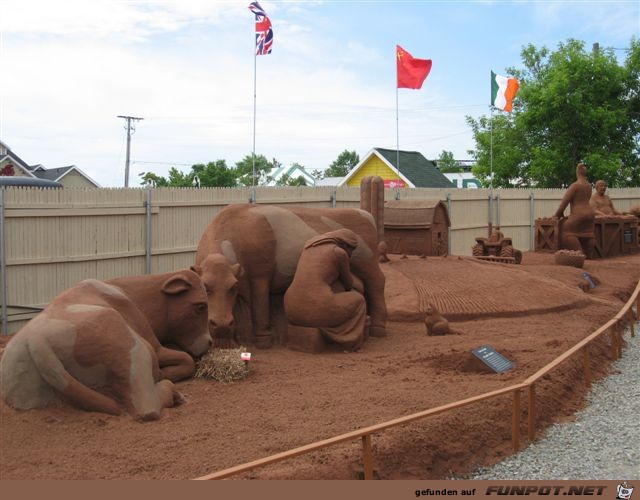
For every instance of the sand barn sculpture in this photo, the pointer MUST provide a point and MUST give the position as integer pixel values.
(322, 294)
(99, 346)
(267, 241)
(577, 230)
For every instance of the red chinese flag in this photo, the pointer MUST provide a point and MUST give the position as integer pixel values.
(412, 72)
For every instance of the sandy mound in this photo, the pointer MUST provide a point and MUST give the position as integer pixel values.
(466, 288)
(290, 399)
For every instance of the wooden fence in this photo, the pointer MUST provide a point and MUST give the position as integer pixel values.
(52, 239)
(613, 327)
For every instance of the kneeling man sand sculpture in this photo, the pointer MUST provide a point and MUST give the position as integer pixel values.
(98, 345)
(261, 244)
(324, 294)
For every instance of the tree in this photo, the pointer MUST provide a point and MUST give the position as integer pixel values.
(287, 180)
(343, 164)
(572, 105)
(149, 179)
(446, 163)
(215, 174)
(244, 170)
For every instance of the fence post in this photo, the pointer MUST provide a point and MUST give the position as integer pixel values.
(532, 221)
(515, 421)
(490, 209)
(334, 198)
(367, 456)
(498, 209)
(450, 229)
(532, 413)
(3, 268)
(147, 250)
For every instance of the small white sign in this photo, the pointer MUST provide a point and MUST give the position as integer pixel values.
(245, 356)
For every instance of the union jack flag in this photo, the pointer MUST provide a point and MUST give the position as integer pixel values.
(264, 33)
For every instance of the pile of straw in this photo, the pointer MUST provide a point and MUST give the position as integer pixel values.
(223, 365)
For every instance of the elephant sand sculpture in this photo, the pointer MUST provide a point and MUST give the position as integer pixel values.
(323, 294)
(99, 346)
(266, 241)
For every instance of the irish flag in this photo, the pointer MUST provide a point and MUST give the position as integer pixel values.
(503, 91)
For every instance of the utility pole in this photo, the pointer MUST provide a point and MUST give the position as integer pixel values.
(130, 128)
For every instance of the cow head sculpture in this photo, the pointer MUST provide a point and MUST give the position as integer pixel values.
(221, 281)
(187, 312)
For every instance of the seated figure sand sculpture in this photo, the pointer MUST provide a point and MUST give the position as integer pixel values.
(577, 231)
(312, 300)
(266, 241)
(99, 346)
(600, 202)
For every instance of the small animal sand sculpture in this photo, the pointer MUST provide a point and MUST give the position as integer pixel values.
(578, 228)
(437, 324)
(266, 241)
(313, 300)
(99, 346)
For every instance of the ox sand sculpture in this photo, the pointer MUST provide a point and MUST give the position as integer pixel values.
(99, 346)
(260, 246)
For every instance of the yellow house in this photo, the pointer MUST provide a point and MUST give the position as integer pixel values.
(415, 170)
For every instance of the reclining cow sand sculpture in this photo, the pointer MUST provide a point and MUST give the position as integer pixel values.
(267, 242)
(99, 346)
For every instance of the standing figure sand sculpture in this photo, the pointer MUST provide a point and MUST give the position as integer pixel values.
(266, 241)
(314, 298)
(99, 346)
(577, 231)
(600, 202)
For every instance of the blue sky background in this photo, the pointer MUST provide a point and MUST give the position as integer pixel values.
(69, 68)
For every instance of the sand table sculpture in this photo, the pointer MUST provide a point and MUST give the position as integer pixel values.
(322, 294)
(577, 230)
(99, 346)
(462, 289)
(266, 241)
(635, 210)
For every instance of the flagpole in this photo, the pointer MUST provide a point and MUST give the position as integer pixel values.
(491, 166)
(253, 151)
(397, 145)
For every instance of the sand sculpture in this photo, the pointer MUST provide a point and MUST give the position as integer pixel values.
(322, 294)
(635, 210)
(577, 230)
(99, 346)
(437, 324)
(417, 227)
(600, 202)
(496, 247)
(267, 242)
(372, 201)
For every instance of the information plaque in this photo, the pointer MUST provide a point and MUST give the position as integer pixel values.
(493, 359)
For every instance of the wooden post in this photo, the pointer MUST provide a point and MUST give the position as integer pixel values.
(532, 413)
(587, 366)
(515, 421)
(367, 457)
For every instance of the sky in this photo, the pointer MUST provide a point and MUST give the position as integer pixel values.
(69, 68)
